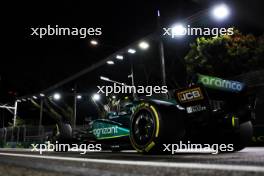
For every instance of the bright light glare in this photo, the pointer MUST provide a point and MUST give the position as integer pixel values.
(94, 42)
(119, 57)
(220, 12)
(104, 78)
(143, 45)
(110, 62)
(35, 97)
(131, 51)
(42, 95)
(178, 30)
(57, 96)
(96, 97)
(79, 97)
(114, 97)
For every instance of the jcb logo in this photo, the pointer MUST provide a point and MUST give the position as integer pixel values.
(190, 95)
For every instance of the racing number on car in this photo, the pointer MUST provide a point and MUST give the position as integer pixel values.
(190, 95)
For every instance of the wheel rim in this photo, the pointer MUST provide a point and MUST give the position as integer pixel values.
(143, 127)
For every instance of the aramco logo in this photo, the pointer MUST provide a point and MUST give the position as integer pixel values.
(218, 83)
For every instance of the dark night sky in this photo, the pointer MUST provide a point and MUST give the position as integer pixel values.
(30, 64)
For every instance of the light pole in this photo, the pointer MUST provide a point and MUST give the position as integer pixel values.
(131, 51)
(40, 114)
(131, 72)
(131, 75)
(74, 107)
(161, 50)
(41, 111)
(57, 97)
(219, 12)
(15, 113)
(110, 80)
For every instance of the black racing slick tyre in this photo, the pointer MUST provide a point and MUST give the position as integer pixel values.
(241, 137)
(154, 124)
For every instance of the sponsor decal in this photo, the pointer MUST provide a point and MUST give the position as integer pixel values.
(197, 108)
(98, 132)
(190, 95)
(105, 130)
(218, 83)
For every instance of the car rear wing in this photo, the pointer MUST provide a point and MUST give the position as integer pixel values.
(220, 84)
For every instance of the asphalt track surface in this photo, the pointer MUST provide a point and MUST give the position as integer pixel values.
(249, 161)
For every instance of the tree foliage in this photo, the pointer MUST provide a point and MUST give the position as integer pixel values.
(225, 55)
(19, 122)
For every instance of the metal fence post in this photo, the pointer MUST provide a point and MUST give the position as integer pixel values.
(24, 134)
(12, 135)
(18, 131)
(40, 115)
(5, 133)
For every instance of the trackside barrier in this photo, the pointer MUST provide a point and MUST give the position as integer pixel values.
(23, 136)
(10, 136)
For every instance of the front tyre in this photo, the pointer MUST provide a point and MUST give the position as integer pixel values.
(145, 127)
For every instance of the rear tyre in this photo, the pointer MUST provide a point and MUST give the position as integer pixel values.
(241, 137)
(154, 124)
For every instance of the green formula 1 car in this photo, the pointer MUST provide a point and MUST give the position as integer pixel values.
(211, 110)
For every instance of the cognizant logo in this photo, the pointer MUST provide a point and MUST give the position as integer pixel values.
(105, 131)
(219, 83)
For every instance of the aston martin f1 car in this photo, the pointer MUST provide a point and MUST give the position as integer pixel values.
(210, 110)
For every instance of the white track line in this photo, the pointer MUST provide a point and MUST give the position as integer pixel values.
(223, 167)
